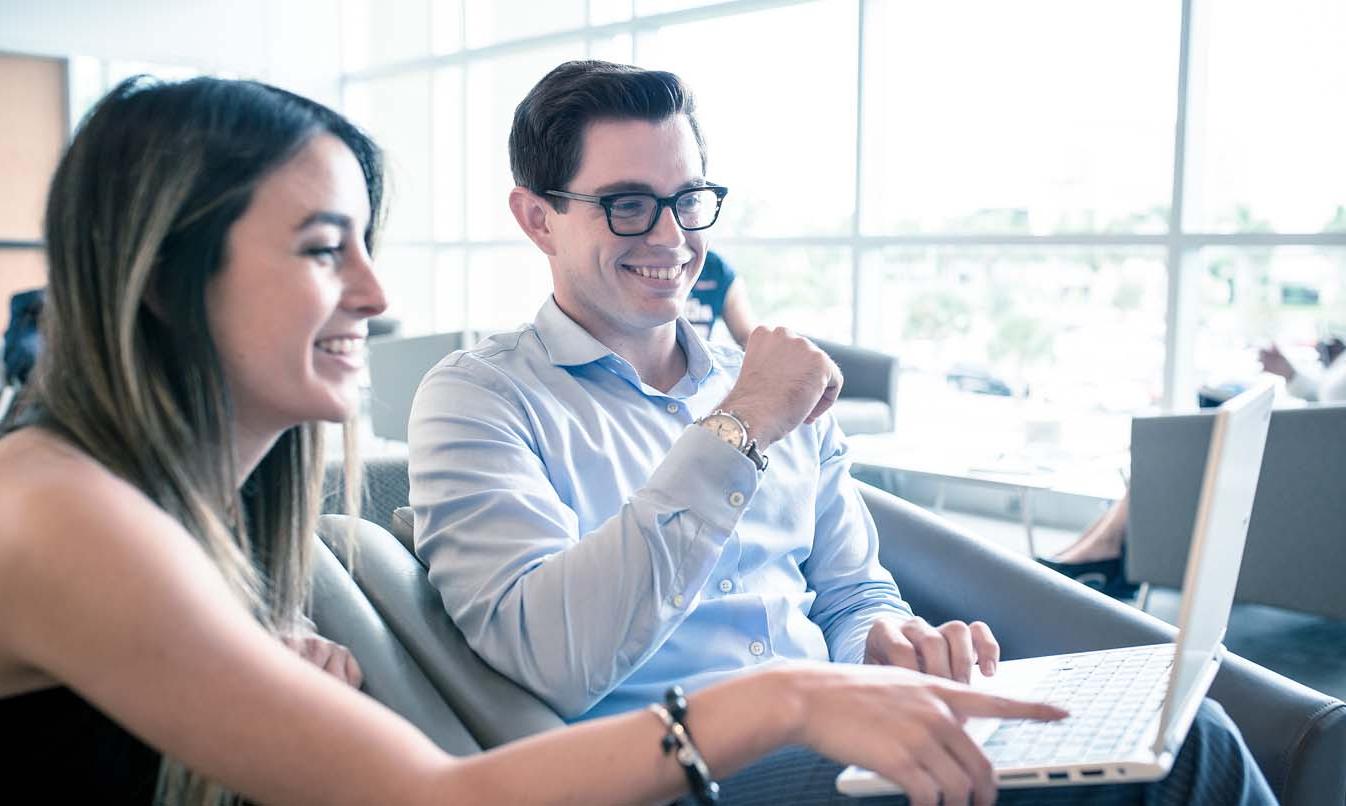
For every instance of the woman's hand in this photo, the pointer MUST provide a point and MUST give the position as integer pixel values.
(329, 656)
(906, 726)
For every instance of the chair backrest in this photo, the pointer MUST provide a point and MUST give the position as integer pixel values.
(385, 488)
(871, 384)
(1296, 550)
(403, 527)
(494, 709)
(396, 367)
(869, 373)
(343, 614)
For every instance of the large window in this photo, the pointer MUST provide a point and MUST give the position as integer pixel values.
(779, 120)
(1031, 117)
(1073, 327)
(1082, 209)
(1271, 134)
(1252, 296)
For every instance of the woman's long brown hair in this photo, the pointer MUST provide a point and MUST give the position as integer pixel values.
(136, 225)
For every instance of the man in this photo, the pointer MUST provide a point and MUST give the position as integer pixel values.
(1329, 386)
(608, 505)
(598, 532)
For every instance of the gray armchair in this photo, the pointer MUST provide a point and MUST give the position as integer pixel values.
(343, 613)
(868, 402)
(1297, 735)
(389, 578)
(385, 488)
(1296, 552)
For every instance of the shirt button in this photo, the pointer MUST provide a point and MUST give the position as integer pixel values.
(757, 648)
(736, 499)
(726, 586)
(678, 600)
(672, 408)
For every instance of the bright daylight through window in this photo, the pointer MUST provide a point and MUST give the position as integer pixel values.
(985, 189)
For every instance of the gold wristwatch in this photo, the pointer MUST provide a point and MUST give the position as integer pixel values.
(729, 427)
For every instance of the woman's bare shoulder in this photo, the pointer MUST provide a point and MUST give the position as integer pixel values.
(55, 494)
(64, 520)
(36, 456)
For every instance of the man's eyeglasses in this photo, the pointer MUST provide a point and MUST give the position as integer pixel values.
(637, 213)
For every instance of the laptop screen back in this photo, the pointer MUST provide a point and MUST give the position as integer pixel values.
(1233, 464)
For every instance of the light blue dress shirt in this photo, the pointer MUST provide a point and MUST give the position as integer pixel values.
(595, 546)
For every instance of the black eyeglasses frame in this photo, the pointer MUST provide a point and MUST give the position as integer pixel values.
(607, 200)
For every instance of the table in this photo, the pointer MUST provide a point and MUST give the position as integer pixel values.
(891, 454)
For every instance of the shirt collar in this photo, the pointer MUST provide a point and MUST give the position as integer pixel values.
(699, 361)
(570, 345)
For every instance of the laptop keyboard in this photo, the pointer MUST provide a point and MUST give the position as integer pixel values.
(1111, 696)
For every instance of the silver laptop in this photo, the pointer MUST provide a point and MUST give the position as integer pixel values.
(1130, 709)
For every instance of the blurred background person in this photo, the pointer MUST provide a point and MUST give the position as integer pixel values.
(719, 294)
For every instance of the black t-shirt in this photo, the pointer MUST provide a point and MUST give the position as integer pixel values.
(57, 747)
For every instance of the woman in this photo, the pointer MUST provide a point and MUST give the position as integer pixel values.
(210, 284)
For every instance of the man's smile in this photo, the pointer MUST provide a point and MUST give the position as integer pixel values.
(664, 272)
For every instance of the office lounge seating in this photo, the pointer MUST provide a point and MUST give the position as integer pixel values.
(343, 613)
(1298, 735)
(1296, 552)
(384, 488)
(411, 619)
(1290, 610)
(868, 401)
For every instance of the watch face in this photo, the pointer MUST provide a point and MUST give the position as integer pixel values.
(726, 429)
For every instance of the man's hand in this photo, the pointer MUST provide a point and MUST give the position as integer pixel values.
(945, 651)
(1275, 363)
(785, 380)
(329, 656)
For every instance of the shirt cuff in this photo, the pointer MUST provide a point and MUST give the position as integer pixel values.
(851, 648)
(706, 475)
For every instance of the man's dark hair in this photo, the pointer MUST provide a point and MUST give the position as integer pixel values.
(546, 141)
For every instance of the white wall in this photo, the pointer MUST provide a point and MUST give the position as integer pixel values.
(294, 43)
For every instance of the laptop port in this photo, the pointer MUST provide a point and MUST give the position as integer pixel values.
(1091, 773)
(1017, 776)
(1058, 776)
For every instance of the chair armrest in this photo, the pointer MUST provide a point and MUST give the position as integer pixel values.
(403, 527)
(1297, 735)
(495, 709)
(343, 614)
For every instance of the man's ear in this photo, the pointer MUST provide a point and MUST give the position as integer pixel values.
(531, 211)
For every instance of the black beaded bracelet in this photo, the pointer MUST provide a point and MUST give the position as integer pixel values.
(678, 740)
